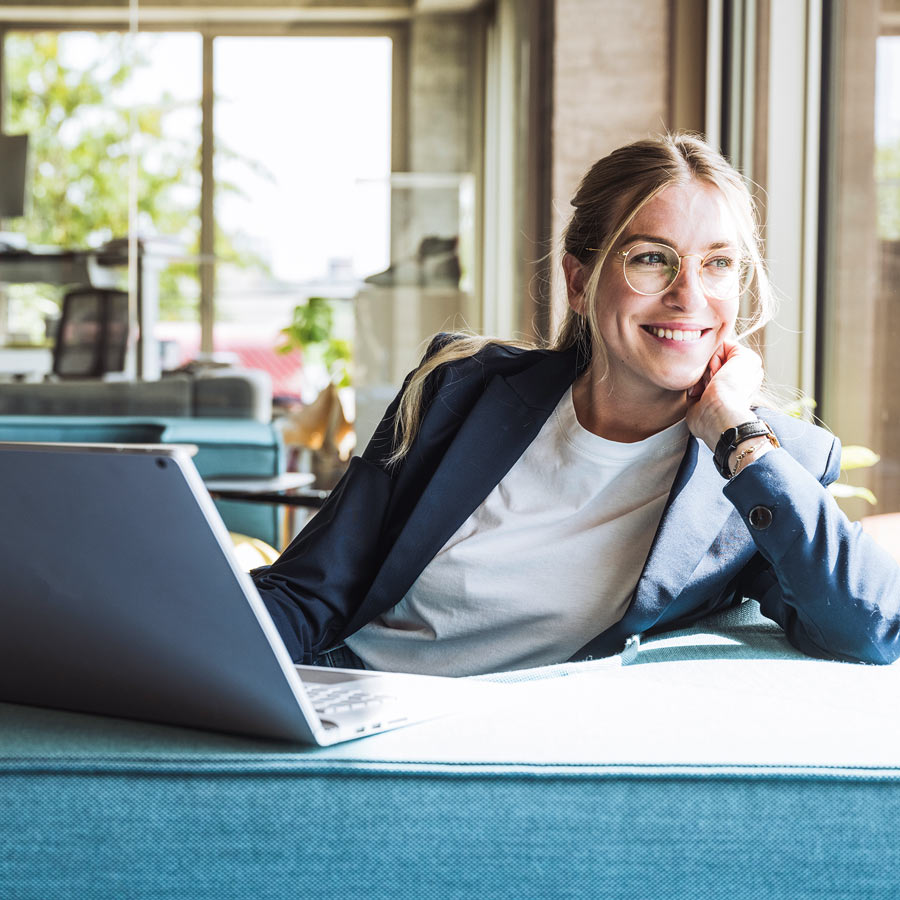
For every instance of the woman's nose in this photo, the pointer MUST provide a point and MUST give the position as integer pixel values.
(687, 291)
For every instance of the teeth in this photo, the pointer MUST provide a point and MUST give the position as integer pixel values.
(675, 334)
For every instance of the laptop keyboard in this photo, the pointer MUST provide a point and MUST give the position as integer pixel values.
(330, 699)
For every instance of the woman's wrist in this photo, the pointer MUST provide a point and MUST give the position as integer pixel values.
(747, 453)
(718, 419)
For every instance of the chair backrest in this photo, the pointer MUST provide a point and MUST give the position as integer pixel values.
(93, 333)
(13, 164)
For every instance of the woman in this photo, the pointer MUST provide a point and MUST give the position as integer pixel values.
(521, 506)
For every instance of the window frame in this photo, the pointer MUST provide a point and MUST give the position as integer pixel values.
(396, 29)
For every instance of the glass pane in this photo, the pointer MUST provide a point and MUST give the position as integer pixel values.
(85, 99)
(861, 369)
(302, 156)
(887, 272)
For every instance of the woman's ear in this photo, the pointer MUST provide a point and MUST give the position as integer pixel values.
(576, 278)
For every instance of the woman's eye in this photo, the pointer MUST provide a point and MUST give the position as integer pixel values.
(652, 258)
(723, 263)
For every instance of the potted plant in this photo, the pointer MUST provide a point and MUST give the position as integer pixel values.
(322, 426)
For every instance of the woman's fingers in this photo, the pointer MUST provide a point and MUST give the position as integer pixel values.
(737, 368)
(715, 362)
(732, 380)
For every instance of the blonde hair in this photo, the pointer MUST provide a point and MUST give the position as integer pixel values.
(610, 195)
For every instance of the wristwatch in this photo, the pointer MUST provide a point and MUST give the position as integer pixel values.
(731, 437)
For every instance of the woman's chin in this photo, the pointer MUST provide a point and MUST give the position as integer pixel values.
(682, 384)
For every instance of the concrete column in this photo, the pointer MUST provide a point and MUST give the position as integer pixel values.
(612, 64)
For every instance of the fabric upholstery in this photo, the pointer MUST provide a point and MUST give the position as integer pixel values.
(719, 762)
(225, 393)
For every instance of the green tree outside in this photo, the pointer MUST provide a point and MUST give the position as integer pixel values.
(78, 120)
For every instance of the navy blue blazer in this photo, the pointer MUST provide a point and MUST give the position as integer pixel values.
(774, 533)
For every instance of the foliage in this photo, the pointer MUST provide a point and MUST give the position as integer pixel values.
(338, 353)
(849, 491)
(79, 123)
(312, 323)
(311, 330)
(801, 408)
(853, 456)
(887, 178)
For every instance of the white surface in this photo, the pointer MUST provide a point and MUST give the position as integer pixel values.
(700, 714)
(33, 362)
(284, 482)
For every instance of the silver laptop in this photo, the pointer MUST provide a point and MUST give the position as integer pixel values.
(120, 594)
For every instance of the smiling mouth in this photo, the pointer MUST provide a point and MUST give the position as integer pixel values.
(676, 334)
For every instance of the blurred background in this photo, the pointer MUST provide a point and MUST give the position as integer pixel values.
(291, 196)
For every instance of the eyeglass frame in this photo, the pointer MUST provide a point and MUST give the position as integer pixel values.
(624, 254)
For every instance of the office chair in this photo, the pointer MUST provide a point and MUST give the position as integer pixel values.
(13, 164)
(93, 334)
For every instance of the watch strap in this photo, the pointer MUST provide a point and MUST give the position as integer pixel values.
(731, 437)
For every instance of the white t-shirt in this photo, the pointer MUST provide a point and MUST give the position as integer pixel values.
(548, 561)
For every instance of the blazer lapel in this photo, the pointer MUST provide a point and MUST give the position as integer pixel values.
(694, 517)
(504, 421)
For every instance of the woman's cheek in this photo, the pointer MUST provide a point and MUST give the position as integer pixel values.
(730, 318)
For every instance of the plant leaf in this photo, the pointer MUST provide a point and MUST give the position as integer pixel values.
(853, 456)
(845, 491)
(801, 408)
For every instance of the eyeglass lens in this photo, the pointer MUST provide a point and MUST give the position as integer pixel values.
(651, 268)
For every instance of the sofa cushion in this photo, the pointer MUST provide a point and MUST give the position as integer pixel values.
(93, 397)
(226, 393)
(81, 429)
(719, 762)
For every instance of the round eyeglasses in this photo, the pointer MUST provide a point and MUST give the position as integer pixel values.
(652, 268)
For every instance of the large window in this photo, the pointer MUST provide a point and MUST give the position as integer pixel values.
(819, 115)
(302, 159)
(859, 366)
(90, 104)
(300, 137)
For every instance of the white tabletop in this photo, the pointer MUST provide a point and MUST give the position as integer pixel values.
(285, 482)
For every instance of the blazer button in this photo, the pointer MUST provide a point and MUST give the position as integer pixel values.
(760, 517)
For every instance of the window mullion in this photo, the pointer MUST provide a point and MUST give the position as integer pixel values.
(207, 202)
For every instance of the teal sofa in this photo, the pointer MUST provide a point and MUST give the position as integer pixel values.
(713, 762)
(225, 447)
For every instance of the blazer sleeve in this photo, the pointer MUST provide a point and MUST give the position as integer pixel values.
(313, 589)
(832, 589)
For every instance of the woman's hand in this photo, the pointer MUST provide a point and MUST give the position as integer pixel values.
(721, 398)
